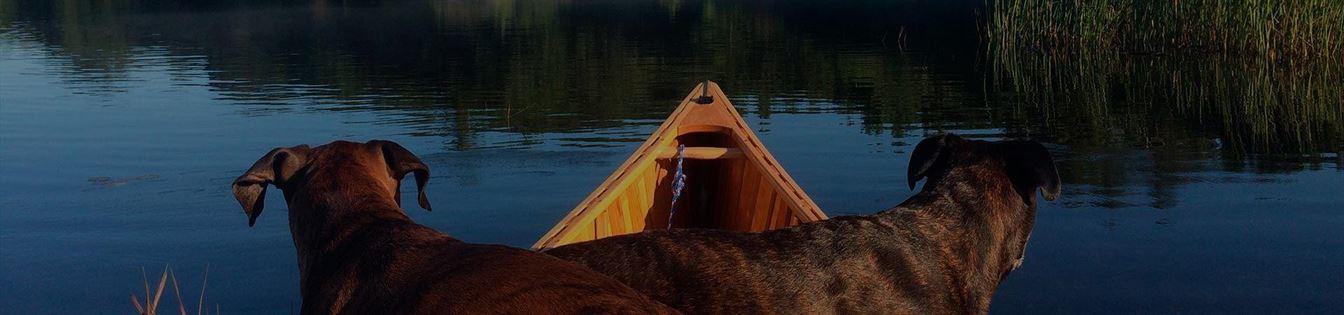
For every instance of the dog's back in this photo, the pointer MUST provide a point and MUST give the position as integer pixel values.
(844, 264)
(942, 251)
(404, 268)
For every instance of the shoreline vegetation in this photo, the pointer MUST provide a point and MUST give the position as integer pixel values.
(1262, 76)
(1294, 30)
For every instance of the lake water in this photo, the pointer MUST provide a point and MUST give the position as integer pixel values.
(1192, 184)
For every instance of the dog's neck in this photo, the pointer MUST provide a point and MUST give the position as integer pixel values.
(983, 224)
(325, 216)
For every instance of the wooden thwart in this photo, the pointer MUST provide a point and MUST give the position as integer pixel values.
(703, 153)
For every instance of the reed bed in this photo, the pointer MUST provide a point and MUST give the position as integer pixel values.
(1262, 76)
(1276, 29)
(1250, 107)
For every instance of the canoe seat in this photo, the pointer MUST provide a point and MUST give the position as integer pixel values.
(702, 153)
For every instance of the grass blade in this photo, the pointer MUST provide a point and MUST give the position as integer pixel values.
(136, 301)
(145, 279)
(158, 293)
(181, 307)
(200, 304)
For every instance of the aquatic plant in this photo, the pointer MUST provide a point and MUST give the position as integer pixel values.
(1249, 105)
(150, 305)
(1261, 76)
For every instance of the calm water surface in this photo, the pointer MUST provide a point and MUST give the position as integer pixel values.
(1192, 184)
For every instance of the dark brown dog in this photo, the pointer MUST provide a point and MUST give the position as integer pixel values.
(942, 251)
(360, 254)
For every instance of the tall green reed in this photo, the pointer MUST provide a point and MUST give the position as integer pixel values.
(1260, 75)
(1275, 29)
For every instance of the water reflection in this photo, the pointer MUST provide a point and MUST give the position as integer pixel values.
(454, 69)
(509, 66)
(520, 67)
(534, 95)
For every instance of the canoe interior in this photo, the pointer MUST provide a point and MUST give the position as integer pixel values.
(732, 183)
(727, 194)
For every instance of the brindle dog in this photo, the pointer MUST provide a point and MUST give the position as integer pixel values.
(942, 251)
(360, 254)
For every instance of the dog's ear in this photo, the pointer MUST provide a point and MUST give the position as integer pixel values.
(401, 161)
(929, 156)
(276, 167)
(1030, 167)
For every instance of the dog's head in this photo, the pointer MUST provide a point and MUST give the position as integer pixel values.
(380, 163)
(1025, 166)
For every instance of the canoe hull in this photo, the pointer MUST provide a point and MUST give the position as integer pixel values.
(731, 181)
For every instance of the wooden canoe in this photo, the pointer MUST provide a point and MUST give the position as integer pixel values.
(731, 181)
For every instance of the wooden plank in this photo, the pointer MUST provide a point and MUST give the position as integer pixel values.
(725, 196)
(639, 205)
(636, 195)
(583, 233)
(761, 207)
(780, 214)
(746, 196)
(602, 225)
(740, 173)
(662, 197)
(771, 218)
(622, 218)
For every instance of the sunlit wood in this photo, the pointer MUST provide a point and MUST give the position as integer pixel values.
(703, 153)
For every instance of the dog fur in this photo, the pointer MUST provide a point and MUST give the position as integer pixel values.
(360, 254)
(942, 251)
